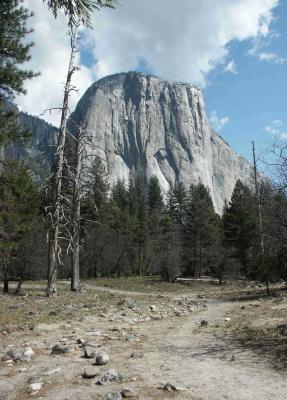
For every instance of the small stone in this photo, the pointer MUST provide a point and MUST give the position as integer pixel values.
(13, 355)
(230, 357)
(171, 388)
(60, 349)
(81, 341)
(34, 387)
(227, 319)
(102, 359)
(113, 396)
(152, 307)
(116, 329)
(90, 372)
(110, 376)
(89, 352)
(28, 353)
(282, 329)
(131, 338)
(204, 322)
(128, 394)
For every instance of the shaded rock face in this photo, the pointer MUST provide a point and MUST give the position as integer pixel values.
(38, 150)
(136, 121)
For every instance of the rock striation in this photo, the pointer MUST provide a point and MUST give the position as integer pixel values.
(136, 121)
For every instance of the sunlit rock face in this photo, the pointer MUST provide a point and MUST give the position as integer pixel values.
(137, 121)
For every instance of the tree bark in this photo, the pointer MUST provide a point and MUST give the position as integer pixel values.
(53, 253)
(200, 259)
(19, 286)
(6, 284)
(75, 273)
(5, 275)
(263, 269)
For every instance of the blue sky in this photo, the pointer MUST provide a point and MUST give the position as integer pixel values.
(236, 50)
(255, 98)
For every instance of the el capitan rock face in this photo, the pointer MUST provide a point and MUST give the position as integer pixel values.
(138, 121)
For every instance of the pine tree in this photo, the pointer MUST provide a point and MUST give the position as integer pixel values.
(14, 50)
(155, 206)
(272, 264)
(178, 203)
(239, 223)
(155, 200)
(78, 10)
(139, 211)
(95, 191)
(120, 195)
(19, 210)
(200, 231)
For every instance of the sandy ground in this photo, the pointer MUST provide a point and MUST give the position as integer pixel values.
(203, 362)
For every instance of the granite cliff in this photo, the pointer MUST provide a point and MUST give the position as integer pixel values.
(137, 121)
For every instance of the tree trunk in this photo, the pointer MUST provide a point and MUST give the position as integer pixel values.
(5, 274)
(263, 269)
(200, 259)
(53, 254)
(95, 267)
(75, 273)
(5, 277)
(75, 281)
(19, 286)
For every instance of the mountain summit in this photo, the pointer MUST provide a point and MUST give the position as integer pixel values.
(140, 121)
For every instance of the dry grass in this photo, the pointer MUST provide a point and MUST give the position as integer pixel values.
(256, 327)
(231, 290)
(24, 312)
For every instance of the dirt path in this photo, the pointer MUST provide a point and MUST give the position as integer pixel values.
(211, 367)
(208, 365)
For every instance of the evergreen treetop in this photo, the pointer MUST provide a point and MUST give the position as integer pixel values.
(78, 10)
(14, 51)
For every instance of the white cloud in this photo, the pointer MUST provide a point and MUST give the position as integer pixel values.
(231, 67)
(271, 57)
(50, 57)
(182, 40)
(260, 44)
(277, 128)
(216, 122)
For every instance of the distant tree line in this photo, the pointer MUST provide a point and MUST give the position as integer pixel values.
(129, 229)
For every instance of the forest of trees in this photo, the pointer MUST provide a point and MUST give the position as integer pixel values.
(130, 229)
(86, 228)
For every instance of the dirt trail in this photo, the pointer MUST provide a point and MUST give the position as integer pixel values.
(208, 365)
(211, 367)
(124, 292)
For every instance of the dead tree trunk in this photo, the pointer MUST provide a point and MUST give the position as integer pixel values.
(53, 253)
(263, 270)
(76, 213)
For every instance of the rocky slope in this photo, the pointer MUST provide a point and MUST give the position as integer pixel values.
(138, 121)
(38, 149)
